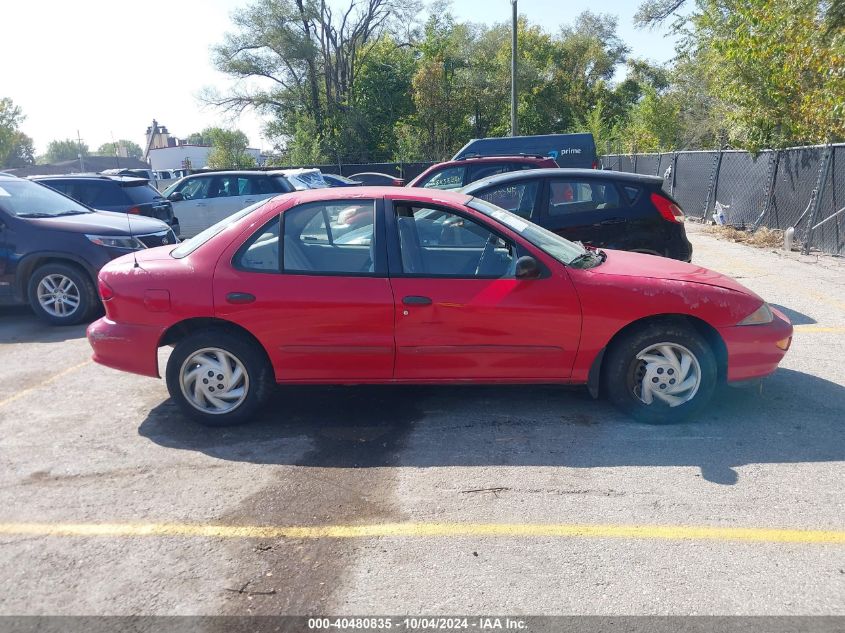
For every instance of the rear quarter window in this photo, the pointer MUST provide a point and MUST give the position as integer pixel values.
(632, 192)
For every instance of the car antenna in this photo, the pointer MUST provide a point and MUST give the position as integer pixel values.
(134, 252)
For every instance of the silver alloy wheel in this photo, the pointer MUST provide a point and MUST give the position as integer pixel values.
(214, 381)
(58, 295)
(668, 372)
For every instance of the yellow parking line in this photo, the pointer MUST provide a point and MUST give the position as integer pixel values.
(28, 390)
(813, 329)
(427, 530)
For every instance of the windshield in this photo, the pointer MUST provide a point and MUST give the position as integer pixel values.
(190, 245)
(309, 179)
(27, 199)
(561, 249)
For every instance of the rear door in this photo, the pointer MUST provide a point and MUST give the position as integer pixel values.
(321, 302)
(460, 312)
(587, 210)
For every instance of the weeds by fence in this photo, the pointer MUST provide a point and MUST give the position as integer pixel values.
(800, 187)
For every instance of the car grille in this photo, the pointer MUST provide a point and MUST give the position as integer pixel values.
(160, 238)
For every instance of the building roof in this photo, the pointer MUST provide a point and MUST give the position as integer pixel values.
(90, 163)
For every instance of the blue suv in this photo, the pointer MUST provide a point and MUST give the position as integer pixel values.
(52, 247)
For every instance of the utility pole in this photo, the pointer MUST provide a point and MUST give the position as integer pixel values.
(514, 131)
(79, 154)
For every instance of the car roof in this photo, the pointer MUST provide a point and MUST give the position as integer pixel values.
(430, 196)
(530, 174)
(232, 172)
(511, 158)
(126, 179)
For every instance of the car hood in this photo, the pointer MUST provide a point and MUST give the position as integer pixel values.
(101, 223)
(641, 266)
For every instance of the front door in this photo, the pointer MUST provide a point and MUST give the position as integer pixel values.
(460, 312)
(318, 299)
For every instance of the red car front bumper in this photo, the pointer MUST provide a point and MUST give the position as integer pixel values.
(754, 351)
(132, 348)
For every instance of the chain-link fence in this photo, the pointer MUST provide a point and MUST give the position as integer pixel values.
(800, 187)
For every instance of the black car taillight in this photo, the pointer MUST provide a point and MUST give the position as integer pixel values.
(670, 211)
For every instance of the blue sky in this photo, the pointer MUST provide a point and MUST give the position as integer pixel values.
(100, 68)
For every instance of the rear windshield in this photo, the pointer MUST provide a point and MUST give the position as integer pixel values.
(140, 193)
(190, 245)
(27, 199)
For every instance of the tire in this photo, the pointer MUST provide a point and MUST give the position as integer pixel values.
(62, 294)
(215, 349)
(629, 379)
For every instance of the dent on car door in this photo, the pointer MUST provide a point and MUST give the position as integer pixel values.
(460, 311)
(322, 303)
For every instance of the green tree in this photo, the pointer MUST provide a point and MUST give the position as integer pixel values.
(228, 149)
(67, 149)
(16, 148)
(133, 150)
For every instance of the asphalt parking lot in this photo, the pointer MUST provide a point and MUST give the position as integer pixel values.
(523, 500)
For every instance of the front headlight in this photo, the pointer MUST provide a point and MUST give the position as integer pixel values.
(760, 316)
(125, 242)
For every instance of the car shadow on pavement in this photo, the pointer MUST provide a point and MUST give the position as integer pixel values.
(796, 417)
(795, 317)
(18, 324)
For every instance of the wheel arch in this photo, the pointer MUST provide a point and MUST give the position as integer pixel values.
(704, 329)
(182, 329)
(29, 264)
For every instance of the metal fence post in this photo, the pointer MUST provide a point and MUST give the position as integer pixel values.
(821, 183)
(770, 193)
(714, 183)
(674, 171)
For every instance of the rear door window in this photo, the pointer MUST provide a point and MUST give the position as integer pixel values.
(575, 196)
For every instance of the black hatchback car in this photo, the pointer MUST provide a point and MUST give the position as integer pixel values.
(51, 249)
(607, 209)
(122, 194)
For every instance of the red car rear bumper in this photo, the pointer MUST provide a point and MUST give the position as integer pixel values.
(132, 348)
(754, 351)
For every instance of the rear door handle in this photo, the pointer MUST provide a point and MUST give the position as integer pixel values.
(240, 297)
(414, 300)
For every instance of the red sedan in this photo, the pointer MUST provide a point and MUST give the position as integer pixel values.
(424, 287)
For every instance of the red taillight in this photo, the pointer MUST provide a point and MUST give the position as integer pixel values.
(106, 292)
(668, 209)
(595, 164)
(134, 210)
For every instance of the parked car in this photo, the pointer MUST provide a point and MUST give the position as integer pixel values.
(606, 209)
(120, 194)
(303, 178)
(372, 178)
(51, 248)
(202, 199)
(443, 288)
(568, 150)
(455, 174)
(333, 180)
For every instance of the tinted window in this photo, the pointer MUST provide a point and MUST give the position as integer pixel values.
(194, 188)
(261, 252)
(98, 193)
(575, 196)
(516, 197)
(330, 238)
(632, 192)
(448, 178)
(439, 243)
(262, 185)
(140, 194)
(477, 172)
(230, 186)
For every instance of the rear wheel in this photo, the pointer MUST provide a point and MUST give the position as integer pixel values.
(660, 373)
(219, 378)
(62, 294)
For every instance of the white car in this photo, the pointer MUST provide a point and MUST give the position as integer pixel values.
(201, 200)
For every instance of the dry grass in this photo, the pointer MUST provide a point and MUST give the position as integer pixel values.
(762, 237)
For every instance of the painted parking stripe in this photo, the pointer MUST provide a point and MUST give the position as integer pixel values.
(427, 530)
(24, 392)
(818, 329)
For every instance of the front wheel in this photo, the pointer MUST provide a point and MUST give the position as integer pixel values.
(660, 373)
(219, 378)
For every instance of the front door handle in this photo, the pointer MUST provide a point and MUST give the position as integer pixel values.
(240, 297)
(413, 300)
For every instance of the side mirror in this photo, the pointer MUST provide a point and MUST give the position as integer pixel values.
(176, 197)
(527, 268)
